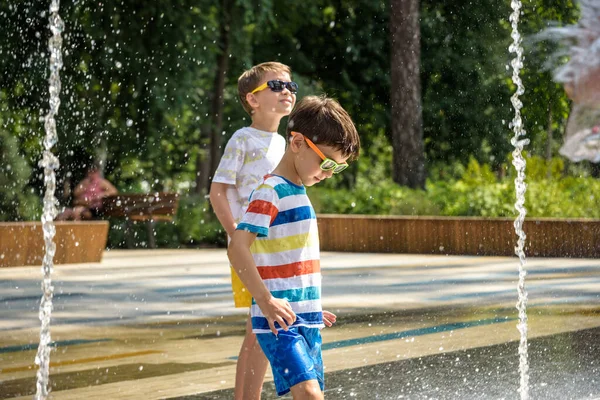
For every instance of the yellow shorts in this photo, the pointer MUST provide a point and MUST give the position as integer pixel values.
(241, 296)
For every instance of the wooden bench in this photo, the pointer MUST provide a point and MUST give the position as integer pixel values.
(135, 207)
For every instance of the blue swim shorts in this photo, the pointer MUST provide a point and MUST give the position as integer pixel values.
(295, 356)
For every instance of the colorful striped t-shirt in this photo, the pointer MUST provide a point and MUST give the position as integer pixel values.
(286, 250)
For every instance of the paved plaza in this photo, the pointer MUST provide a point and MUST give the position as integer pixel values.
(160, 324)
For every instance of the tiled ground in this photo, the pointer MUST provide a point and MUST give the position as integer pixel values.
(160, 324)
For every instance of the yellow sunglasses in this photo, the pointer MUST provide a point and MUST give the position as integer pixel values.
(328, 164)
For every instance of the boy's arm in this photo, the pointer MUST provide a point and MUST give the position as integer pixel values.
(220, 204)
(274, 310)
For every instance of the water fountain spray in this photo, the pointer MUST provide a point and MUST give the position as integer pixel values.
(50, 163)
(520, 188)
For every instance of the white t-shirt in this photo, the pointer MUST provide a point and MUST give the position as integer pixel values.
(249, 155)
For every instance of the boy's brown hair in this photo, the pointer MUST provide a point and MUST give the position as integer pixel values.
(251, 78)
(324, 121)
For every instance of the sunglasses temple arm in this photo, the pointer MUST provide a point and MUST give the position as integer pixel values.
(315, 148)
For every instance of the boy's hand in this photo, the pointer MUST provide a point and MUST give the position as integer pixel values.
(278, 310)
(329, 318)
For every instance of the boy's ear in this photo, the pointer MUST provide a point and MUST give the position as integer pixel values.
(296, 143)
(252, 100)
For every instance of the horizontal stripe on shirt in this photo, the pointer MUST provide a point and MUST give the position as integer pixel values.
(284, 257)
(293, 228)
(301, 240)
(294, 282)
(298, 294)
(299, 307)
(290, 202)
(287, 189)
(264, 192)
(313, 320)
(293, 215)
(259, 230)
(290, 270)
(263, 207)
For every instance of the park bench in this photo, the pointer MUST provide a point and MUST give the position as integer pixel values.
(135, 207)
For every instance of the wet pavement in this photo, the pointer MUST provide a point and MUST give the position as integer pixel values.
(160, 325)
(563, 366)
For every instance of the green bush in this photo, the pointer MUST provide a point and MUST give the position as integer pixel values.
(384, 197)
(196, 222)
(476, 192)
(17, 202)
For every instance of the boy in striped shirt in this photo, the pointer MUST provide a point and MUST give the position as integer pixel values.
(275, 248)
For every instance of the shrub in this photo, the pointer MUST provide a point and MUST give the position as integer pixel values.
(477, 192)
(17, 202)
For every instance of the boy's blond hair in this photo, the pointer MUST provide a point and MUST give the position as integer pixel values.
(324, 121)
(251, 78)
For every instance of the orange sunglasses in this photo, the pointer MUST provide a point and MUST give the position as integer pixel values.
(328, 164)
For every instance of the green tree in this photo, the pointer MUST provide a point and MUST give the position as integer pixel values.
(135, 75)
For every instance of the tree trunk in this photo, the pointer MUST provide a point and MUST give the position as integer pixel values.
(407, 118)
(202, 163)
(219, 86)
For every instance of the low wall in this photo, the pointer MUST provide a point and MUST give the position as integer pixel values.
(22, 243)
(458, 235)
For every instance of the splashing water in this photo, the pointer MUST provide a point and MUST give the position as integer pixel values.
(50, 163)
(519, 163)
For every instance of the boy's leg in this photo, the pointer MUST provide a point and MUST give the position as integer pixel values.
(307, 390)
(251, 367)
(252, 363)
(295, 358)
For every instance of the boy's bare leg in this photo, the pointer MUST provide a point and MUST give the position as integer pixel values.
(307, 390)
(251, 367)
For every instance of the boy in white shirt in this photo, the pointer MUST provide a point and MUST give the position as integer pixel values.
(267, 94)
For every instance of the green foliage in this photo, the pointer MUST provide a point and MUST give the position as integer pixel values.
(465, 96)
(477, 192)
(17, 200)
(196, 223)
(478, 174)
(135, 83)
(383, 198)
(138, 82)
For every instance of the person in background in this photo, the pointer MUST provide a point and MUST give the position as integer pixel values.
(88, 195)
